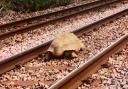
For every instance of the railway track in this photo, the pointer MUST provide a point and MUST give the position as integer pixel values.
(12, 28)
(25, 41)
(9, 63)
(34, 52)
(75, 78)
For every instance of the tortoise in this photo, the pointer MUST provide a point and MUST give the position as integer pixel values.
(66, 45)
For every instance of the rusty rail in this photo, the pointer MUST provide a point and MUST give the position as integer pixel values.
(87, 7)
(9, 63)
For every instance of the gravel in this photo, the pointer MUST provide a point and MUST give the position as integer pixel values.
(43, 74)
(21, 42)
(113, 77)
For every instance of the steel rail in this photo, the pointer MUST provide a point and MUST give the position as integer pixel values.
(90, 6)
(21, 58)
(74, 79)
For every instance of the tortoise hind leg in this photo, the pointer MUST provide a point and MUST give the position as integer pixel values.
(48, 56)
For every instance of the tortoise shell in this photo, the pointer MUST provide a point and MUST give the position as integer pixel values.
(68, 42)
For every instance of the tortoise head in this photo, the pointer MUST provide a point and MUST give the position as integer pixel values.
(70, 54)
